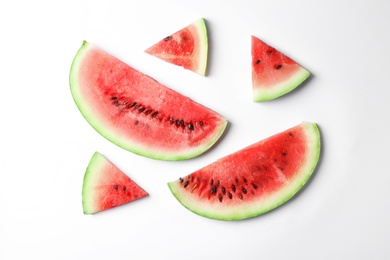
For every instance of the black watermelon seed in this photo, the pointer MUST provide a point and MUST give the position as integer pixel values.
(191, 126)
(142, 110)
(236, 180)
(269, 52)
(172, 120)
(241, 197)
(124, 188)
(212, 182)
(258, 62)
(233, 188)
(223, 190)
(116, 103)
(133, 104)
(219, 182)
(167, 38)
(116, 187)
(279, 66)
(254, 186)
(213, 190)
(154, 115)
(148, 111)
(181, 180)
(230, 195)
(220, 198)
(137, 106)
(201, 123)
(244, 190)
(284, 153)
(177, 122)
(245, 180)
(182, 123)
(186, 184)
(113, 98)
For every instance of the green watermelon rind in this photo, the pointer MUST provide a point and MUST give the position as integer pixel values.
(255, 208)
(200, 25)
(126, 144)
(96, 163)
(278, 90)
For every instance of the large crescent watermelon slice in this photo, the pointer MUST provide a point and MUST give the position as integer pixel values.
(105, 186)
(273, 73)
(253, 180)
(137, 113)
(187, 47)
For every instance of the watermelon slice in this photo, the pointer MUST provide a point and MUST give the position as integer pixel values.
(105, 186)
(186, 47)
(136, 112)
(253, 180)
(273, 73)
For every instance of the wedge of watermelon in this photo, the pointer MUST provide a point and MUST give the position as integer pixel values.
(137, 113)
(253, 180)
(106, 186)
(187, 47)
(273, 73)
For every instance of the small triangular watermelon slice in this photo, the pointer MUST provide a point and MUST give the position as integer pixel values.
(187, 47)
(106, 186)
(273, 73)
(254, 180)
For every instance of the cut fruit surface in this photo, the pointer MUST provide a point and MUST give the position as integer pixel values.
(254, 180)
(187, 47)
(137, 113)
(105, 186)
(273, 73)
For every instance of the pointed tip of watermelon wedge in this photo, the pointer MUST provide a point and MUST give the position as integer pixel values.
(187, 48)
(273, 73)
(254, 180)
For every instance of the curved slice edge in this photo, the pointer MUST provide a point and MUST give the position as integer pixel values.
(201, 29)
(267, 93)
(256, 208)
(126, 144)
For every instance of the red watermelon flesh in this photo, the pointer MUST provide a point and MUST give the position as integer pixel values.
(137, 113)
(273, 73)
(187, 47)
(253, 180)
(106, 186)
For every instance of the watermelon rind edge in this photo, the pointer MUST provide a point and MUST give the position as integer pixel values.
(200, 25)
(254, 210)
(95, 163)
(266, 94)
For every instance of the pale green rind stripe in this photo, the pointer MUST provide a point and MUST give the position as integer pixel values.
(258, 207)
(200, 25)
(92, 172)
(269, 93)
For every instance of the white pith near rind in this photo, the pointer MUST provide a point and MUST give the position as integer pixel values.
(126, 143)
(95, 165)
(201, 30)
(261, 205)
(268, 93)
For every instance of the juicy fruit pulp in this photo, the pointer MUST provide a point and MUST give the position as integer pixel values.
(137, 113)
(273, 73)
(187, 47)
(106, 186)
(253, 180)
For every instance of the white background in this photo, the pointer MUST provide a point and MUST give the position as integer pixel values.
(45, 144)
